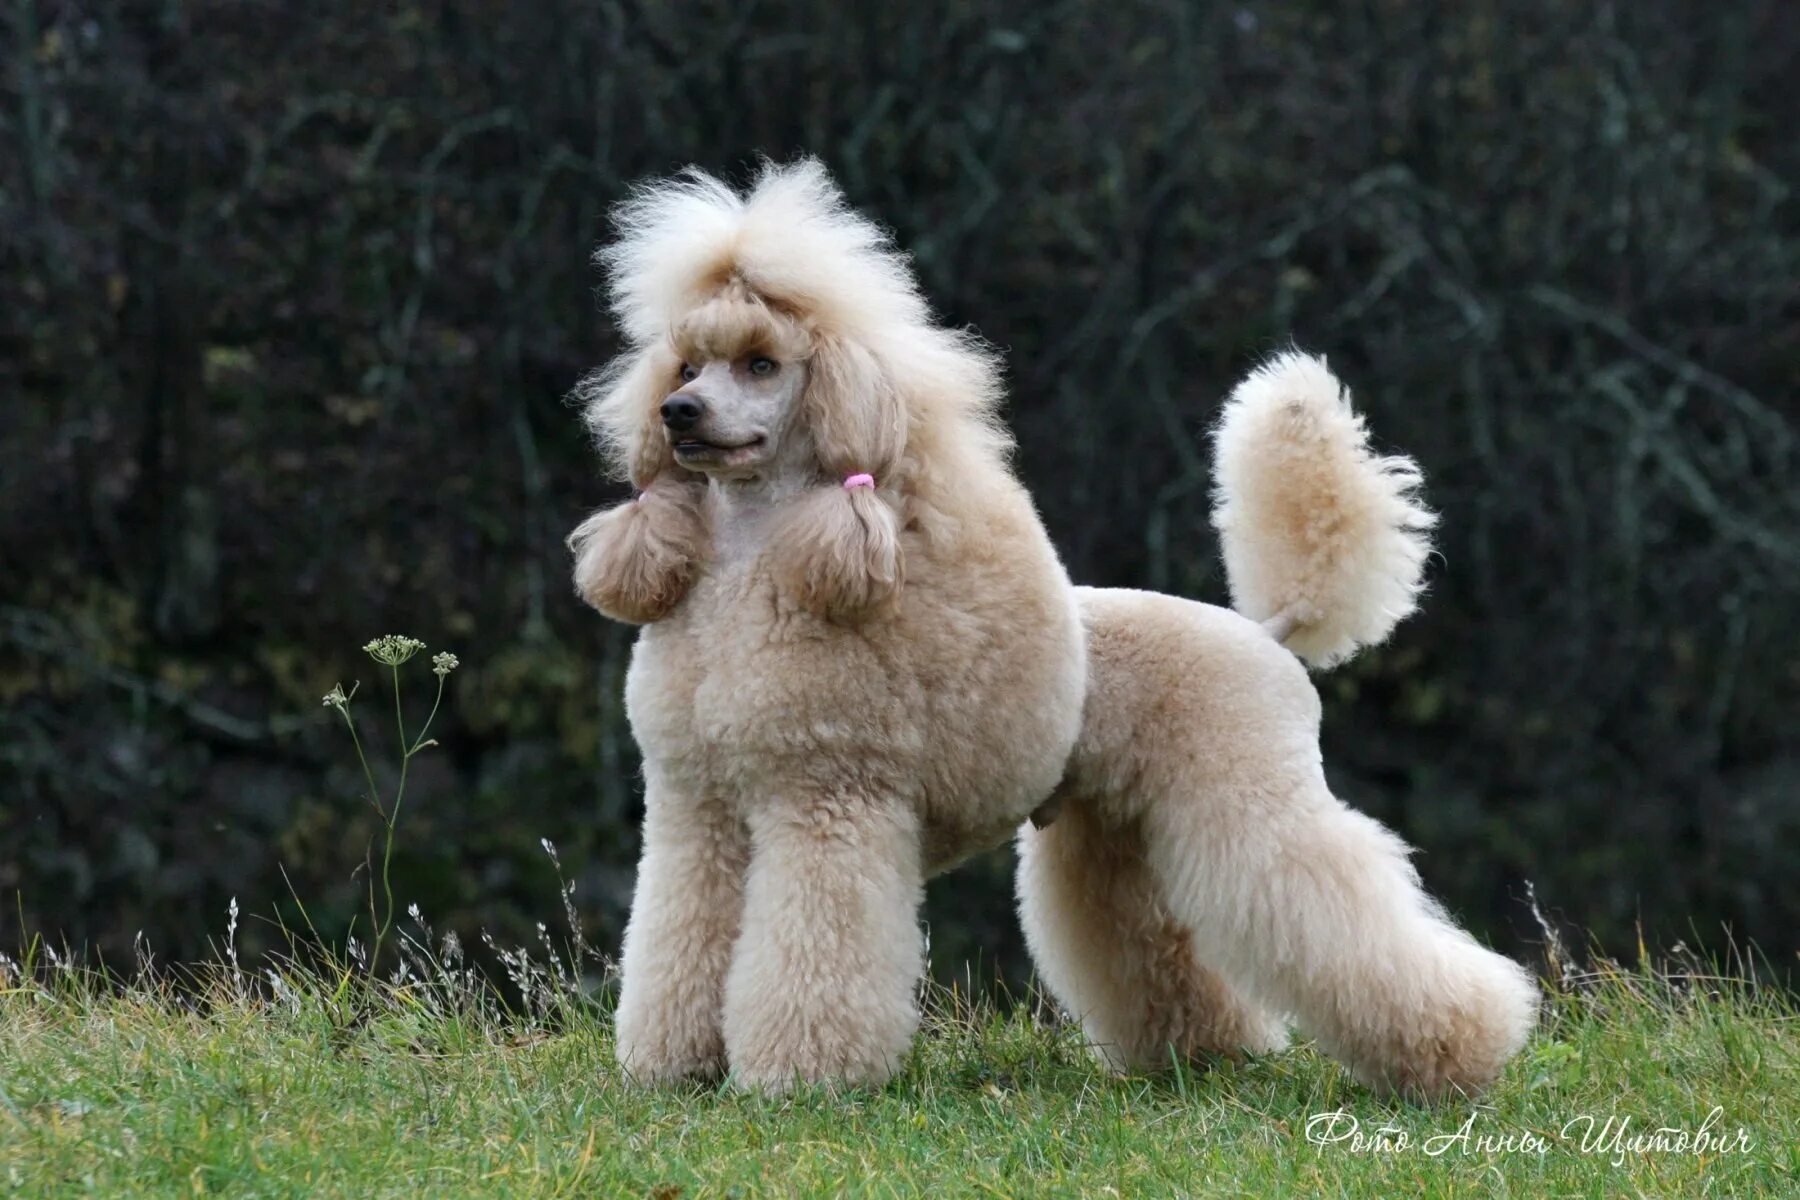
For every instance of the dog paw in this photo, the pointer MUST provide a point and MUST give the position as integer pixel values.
(783, 1043)
(664, 1061)
(775, 1077)
(1460, 1043)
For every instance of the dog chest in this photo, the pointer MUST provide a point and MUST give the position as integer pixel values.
(739, 686)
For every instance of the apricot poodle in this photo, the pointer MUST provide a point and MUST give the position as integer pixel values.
(862, 662)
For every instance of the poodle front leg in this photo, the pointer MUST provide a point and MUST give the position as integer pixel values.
(822, 981)
(684, 918)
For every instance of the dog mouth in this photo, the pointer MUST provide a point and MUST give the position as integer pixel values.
(693, 449)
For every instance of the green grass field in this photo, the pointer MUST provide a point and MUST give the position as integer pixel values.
(317, 1086)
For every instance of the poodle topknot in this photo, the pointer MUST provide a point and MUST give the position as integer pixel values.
(862, 662)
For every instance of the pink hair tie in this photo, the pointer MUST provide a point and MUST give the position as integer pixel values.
(859, 481)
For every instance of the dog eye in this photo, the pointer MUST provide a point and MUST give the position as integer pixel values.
(763, 366)
(689, 372)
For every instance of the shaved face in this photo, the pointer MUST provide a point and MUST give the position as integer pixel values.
(743, 373)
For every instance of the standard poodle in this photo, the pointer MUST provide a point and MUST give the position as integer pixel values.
(862, 662)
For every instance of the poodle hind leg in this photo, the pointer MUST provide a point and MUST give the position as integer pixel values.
(823, 979)
(1113, 955)
(1314, 907)
(684, 918)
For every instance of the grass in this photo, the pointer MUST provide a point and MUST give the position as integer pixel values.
(318, 1077)
(323, 1083)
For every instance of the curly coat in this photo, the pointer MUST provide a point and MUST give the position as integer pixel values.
(842, 691)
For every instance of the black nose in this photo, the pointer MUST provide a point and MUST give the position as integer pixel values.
(681, 413)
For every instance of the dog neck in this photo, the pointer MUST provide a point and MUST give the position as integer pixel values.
(739, 508)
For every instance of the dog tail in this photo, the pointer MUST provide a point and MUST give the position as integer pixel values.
(1325, 541)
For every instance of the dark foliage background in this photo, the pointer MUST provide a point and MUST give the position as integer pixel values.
(292, 295)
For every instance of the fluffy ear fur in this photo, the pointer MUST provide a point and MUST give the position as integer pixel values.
(840, 552)
(853, 410)
(635, 562)
(623, 401)
(840, 546)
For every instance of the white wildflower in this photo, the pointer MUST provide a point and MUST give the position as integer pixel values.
(390, 650)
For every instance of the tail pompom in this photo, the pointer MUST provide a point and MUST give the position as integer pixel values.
(1325, 541)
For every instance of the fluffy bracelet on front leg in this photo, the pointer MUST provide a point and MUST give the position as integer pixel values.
(634, 562)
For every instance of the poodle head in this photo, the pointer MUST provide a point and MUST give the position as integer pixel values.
(780, 311)
(776, 335)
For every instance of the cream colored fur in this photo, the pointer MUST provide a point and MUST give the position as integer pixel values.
(1320, 535)
(1198, 771)
(839, 693)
